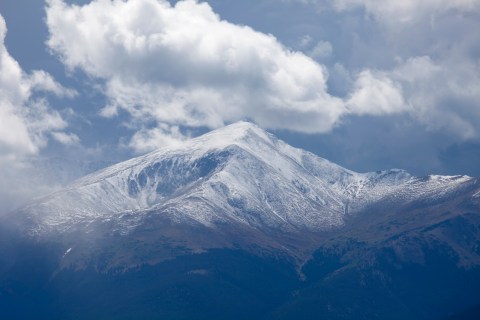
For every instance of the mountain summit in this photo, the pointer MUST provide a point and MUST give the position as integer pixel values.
(237, 186)
(237, 224)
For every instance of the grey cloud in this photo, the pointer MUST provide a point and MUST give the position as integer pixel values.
(427, 49)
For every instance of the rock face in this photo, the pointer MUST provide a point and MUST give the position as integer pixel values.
(238, 197)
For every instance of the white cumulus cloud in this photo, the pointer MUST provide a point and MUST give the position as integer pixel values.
(25, 121)
(183, 65)
(375, 93)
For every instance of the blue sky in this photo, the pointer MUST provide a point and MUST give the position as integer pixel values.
(368, 85)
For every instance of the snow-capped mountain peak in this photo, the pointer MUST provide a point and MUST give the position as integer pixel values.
(235, 178)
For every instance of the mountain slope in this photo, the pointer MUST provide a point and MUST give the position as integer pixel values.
(236, 186)
(237, 224)
(239, 168)
(419, 260)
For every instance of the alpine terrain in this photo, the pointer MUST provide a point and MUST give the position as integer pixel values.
(237, 224)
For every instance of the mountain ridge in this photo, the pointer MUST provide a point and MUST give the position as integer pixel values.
(237, 224)
(240, 185)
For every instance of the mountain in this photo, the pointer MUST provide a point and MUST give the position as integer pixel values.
(238, 218)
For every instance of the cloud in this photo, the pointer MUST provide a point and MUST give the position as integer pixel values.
(183, 65)
(27, 122)
(405, 11)
(444, 95)
(422, 52)
(393, 11)
(40, 80)
(375, 94)
(67, 139)
(322, 50)
(145, 140)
